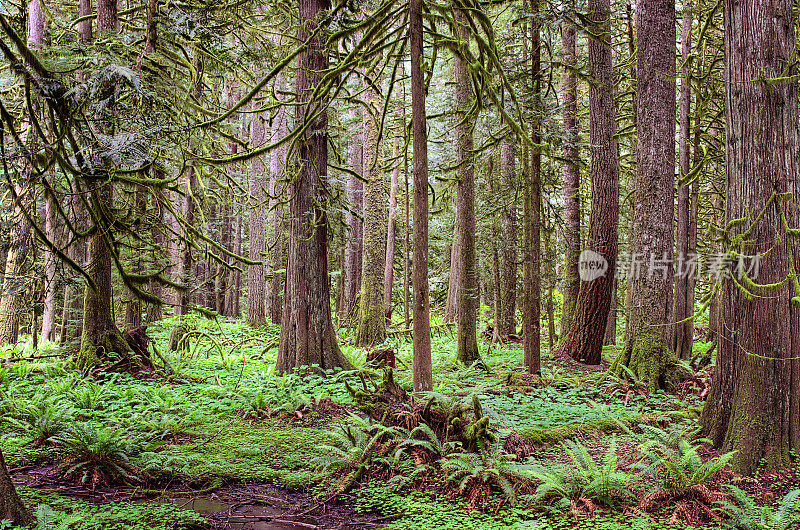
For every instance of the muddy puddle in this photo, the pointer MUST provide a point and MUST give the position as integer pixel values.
(260, 507)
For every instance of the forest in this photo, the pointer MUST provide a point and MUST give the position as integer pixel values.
(354, 264)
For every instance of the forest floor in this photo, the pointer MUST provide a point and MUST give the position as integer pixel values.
(225, 442)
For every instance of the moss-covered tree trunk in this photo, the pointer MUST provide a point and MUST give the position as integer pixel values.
(454, 279)
(423, 371)
(11, 507)
(256, 277)
(584, 342)
(683, 302)
(391, 233)
(354, 247)
(754, 402)
(532, 252)
(371, 313)
(507, 241)
(100, 336)
(647, 352)
(307, 334)
(572, 175)
(14, 278)
(277, 260)
(468, 290)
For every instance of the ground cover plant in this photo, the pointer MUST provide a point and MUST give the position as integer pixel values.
(483, 449)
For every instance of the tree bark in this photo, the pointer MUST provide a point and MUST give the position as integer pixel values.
(277, 260)
(572, 176)
(683, 306)
(354, 248)
(423, 371)
(307, 334)
(256, 277)
(11, 507)
(507, 287)
(100, 336)
(646, 351)
(467, 288)
(754, 403)
(531, 311)
(232, 300)
(391, 233)
(585, 339)
(85, 27)
(454, 279)
(371, 314)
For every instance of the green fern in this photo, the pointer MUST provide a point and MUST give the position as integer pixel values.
(424, 437)
(745, 514)
(585, 478)
(355, 445)
(487, 469)
(680, 467)
(96, 456)
(50, 519)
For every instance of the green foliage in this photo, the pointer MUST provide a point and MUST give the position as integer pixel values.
(96, 456)
(422, 436)
(745, 514)
(39, 418)
(487, 469)
(671, 457)
(355, 446)
(584, 478)
(49, 519)
(62, 512)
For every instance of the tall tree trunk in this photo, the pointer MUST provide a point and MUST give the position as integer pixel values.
(100, 335)
(550, 259)
(307, 334)
(495, 249)
(277, 261)
(406, 225)
(85, 27)
(155, 311)
(467, 288)
(531, 310)
(20, 244)
(11, 507)
(36, 24)
(646, 351)
(232, 300)
(354, 248)
(683, 308)
(572, 176)
(507, 324)
(371, 314)
(391, 233)
(71, 316)
(185, 259)
(256, 277)
(754, 403)
(423, 371)
(611, 325)
(454, 279)
(14, 278)
(585, 339)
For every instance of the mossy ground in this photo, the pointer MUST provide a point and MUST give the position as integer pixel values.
(208, 423)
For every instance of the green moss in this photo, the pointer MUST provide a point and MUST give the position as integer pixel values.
(560, 433)
(266, 450)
